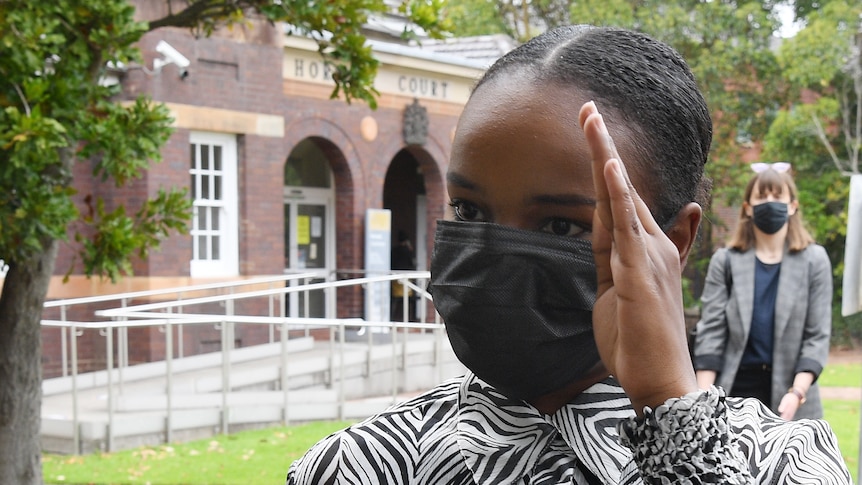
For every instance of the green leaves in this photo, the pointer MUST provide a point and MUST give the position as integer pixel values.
(55, 115)
(123, 138)
(34, 192)
(337, 25)
(815, 56)
(112, 238)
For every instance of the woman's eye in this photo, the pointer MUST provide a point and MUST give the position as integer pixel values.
(465, 211)
(563, 227)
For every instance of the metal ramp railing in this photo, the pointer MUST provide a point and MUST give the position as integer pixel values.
(360, 368)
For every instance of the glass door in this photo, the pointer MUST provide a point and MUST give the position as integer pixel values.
(308, 246)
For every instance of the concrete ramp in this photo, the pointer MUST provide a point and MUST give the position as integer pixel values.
(203, 395)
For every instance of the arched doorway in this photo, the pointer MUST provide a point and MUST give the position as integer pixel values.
(309, 224)
(404, 195)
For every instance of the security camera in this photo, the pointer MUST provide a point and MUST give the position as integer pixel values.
(172, 56)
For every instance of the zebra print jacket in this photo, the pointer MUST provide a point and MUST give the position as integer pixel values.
(463, 432)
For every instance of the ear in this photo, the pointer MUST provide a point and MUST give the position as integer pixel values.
(792, 207)
(684, 230)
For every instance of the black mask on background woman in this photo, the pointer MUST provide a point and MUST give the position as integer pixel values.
(770, 217)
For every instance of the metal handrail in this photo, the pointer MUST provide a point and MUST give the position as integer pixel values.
(274, 291)
(180, 289)
(155, 314)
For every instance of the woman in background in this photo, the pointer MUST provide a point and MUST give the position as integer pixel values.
(767, 303)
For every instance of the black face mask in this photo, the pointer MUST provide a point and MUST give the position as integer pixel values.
(770, 217)
(517, 305)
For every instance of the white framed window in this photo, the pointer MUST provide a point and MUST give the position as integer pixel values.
(215, 221)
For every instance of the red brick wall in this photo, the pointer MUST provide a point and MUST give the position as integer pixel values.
(242, 71)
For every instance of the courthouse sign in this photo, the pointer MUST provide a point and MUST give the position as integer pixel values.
(427, 79)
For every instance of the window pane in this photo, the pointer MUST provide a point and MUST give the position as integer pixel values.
(193, 186)
(192, 157)
(202, 247)
(217, 180)
(215, 241)
(204, 223)
(205, 187)
(307, 166)
(217, 157)
(205, 157)
(214, 217)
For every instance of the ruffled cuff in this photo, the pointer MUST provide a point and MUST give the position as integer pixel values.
(684, 441)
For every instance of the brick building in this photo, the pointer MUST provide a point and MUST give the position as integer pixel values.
(281, 175)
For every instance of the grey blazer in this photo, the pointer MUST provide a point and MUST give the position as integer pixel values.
(803, 320)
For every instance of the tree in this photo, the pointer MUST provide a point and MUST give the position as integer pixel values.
(477, 17)
(728, 45)
(822, 137)
(54, 113)
(825, 59)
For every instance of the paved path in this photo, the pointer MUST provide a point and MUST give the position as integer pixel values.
(842, 393)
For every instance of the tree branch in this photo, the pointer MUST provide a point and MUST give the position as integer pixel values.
(196, 13)
(821, 134)
(23, 99)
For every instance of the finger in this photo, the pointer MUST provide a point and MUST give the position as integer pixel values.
(602, 238)
(628, 231)
(601, 150)
(602, 243)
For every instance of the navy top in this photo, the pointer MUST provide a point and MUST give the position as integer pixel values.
(758, 350)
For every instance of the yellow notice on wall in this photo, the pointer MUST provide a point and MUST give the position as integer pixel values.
(303, 230)
(379, 220)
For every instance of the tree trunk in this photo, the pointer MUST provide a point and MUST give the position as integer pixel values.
(24, 292)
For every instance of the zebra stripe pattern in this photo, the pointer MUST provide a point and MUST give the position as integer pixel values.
(464, 432)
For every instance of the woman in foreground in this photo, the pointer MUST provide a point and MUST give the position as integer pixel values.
(574, 178)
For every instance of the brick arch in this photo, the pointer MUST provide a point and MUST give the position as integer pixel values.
(433, 160)
(345, 164)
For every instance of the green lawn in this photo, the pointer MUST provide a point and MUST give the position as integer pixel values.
(841, 375)
(843, 416)
(262, 456)
(249, 457)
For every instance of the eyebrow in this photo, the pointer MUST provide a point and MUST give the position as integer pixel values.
(547, 199)
(461, 181)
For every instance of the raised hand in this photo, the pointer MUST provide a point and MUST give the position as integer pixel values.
(638, 315)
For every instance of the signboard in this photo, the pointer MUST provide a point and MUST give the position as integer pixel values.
(378, 248)
(412, 83)
(851, 300)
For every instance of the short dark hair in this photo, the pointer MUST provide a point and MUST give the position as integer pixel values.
(642, 81)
